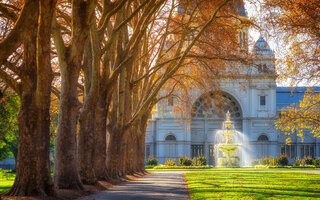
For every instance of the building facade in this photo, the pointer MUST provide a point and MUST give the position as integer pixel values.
(254, 101)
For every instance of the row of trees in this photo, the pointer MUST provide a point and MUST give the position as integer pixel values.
(107, 62)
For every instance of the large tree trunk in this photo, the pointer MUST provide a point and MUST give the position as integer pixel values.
(66, 173)
(66, 160)
(100, 147)
(33, 168)
(86, 144)
(115, 155)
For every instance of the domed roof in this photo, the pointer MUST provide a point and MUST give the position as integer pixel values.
(262, 47)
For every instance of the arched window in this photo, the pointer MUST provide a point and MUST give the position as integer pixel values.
(210, 105)
(170, 147)
(263, 138)
(263, 146)
(171, 138)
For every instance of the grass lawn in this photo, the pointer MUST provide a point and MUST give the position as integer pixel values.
(6, 180)
(241, 184)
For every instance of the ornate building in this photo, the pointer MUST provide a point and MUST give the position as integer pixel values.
(254, 104)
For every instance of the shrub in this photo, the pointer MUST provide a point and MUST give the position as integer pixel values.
(152, 161)
(316, 162)
(202, 160)
(170, 162)
(185, 161)
(182, 167)
(255, 162)
(297, 162)
(270, 161)
(282, 160)
(199, 161)
(307, 160)
(264, 161)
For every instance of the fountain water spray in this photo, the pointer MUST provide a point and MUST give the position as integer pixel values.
(228, 148)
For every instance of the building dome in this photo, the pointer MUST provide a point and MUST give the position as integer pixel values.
(262, 47)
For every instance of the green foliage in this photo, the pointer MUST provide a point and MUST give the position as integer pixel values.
(182, 167)
(307, 160)
(297, 162)
(152, 161)
(270, 161)
(282, 160)
(185, 161)
(199, 161)
(170, 162)
(9, 108)
(317, 162)
(255, 162)
(6, 180)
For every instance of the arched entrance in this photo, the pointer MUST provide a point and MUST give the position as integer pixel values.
(208, 113)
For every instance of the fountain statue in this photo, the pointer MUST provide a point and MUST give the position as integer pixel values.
(228, 141)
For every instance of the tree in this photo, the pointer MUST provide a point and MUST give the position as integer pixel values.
(32, 82)
(297, 23)
(70, 56)
(302, 116)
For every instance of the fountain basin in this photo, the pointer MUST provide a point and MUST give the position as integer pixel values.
(227, 149)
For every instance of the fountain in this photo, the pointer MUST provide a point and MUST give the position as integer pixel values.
(229, 142)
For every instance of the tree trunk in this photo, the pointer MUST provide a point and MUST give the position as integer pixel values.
(141, 133)
(86, 145)
(70, 59)
(33, 167)
(100, 147)
(115, 155)
(66, 158)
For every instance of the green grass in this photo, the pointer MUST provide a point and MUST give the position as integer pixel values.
(241, 184)
(6, 180)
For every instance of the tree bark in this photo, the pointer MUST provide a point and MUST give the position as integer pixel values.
(33, 168)
(66, 173)
(66, 160)
(100, 147)
(115, 155)
(86, 144)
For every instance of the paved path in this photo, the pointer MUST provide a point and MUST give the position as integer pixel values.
(158, 185)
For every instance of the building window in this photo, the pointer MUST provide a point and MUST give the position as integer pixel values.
(170, 146)
(197, 150)
(306, 150)
(262, 68)
(263, 147)
(147, 151)
(262, 100)
(171, 138)
(289, 150)
(170, 101)
(263, 138)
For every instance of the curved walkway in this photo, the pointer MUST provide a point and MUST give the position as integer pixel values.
(158, 185)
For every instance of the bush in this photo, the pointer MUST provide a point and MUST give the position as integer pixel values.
(282, 160)
(268, 161)
(202, 160)
(182, 167)
(307, 160)
(316, 162)
(199, 161)
(152, 161)
(185, 161)
(297, 162)
(255, 162)
(170, 162)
